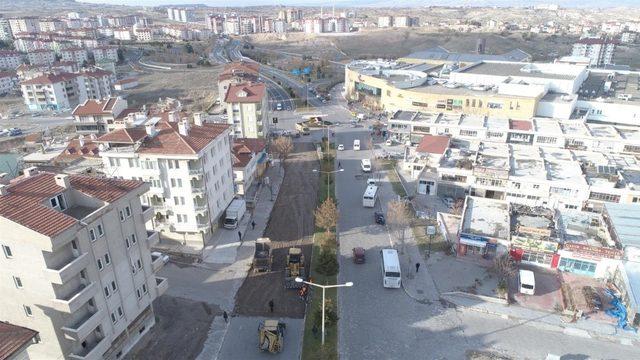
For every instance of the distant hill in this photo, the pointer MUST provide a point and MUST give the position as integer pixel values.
(488, 3)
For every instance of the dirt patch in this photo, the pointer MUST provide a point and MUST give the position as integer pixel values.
(181, 329)
(291, 224)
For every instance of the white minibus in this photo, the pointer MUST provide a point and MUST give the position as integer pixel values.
(390, 268)
(365, 164)
(527, 282)
(356, 144)
(370, 196)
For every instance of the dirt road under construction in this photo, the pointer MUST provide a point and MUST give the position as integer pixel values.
(291, 224)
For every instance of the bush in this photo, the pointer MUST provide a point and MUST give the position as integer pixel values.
(327, 263)
(330, 315)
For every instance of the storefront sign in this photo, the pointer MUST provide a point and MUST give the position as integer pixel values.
(534, 231)
(593, 252)
(534, 245)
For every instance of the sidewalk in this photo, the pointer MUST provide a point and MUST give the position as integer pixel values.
(546, 320)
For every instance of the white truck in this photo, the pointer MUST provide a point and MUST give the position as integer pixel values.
(234, 213)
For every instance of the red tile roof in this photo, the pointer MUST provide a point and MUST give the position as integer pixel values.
(433, 144)
(243, 148)
(523, 125)
(49, 79)
(253, 93)
(26, 200)
(75, 151)
(239, 68)
(124, 136)
(95, 107)
(13, 338)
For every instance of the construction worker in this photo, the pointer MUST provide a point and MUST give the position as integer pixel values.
(271, 305)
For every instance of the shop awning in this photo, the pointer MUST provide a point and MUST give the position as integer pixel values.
(476, 243)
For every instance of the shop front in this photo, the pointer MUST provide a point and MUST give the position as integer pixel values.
(535, 252)
(587, 260)
(469, 244)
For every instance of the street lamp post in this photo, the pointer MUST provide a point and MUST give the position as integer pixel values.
(328, 177)
(324, 287)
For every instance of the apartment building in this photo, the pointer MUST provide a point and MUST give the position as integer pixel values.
(599, 50)
(58, 91)
(10, 60)
(249, 160)
(75, 54)
(385, 21)
(188, 166)
(109, 53)
(143, 34)
(97, 83)
(248, 110)
(124, 34)
(98, 116)
(8, 81)
(41, 57)
(51, 25)
(236, 72)
(5, 30)
(181, 15)
(76, 264)
(27, 24)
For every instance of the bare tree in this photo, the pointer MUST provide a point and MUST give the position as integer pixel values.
(504, 266)
(327, 215)
(398, 217)
(283, 147)
(456, 209)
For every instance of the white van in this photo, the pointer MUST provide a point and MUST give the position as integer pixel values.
(526, 282)
(365, 164)
(370, 196)
(391, 277)
(356, 144)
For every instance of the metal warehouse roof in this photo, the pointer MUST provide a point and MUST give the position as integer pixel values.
(625, 219)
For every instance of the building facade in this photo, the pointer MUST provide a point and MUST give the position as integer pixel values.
(248, 110)
(77, 264)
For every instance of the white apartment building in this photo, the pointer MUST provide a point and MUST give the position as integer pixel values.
(123, 34)
(181, 15)
(10, 60)
(249, 157)
(385, 21)
(248, 110)
(76, 264)
(27, 24)
(599, 50)
(98, 116)
(51, 25)
(8, 81)
(143, 34)
(5, 30)
(188, 166)
(75, 54)
(41, 57)
(105, 53)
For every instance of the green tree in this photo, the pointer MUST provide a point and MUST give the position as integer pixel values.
(327, 262)
(330, 314)
(189, 48)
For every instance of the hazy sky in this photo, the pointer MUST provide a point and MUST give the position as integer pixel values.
(214, 2)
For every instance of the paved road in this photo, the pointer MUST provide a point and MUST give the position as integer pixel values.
(379, 323)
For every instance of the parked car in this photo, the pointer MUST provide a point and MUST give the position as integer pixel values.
(389, 142)
(158, 254)
(340, 147)
(358, 255)
(15, 132)
(379, 217)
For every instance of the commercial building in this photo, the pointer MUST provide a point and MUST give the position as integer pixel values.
(98, 116)
(484, 229)
(76, 264)
(599, 50)
(249, 163)
(188, 166)
(248, 110)
(440, 56)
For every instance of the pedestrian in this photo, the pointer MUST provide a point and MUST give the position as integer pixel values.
(417, 266)
(253, 225)
(271, 305)
(339, 165)
(225, 316)
(240, 235)
(314, 330)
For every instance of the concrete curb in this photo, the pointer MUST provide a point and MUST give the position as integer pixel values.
(486, 298)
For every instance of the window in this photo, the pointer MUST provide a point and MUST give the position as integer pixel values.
(58, 202)
(120, 312)
(131, 164)
(138, 293)
(127, 211)
(546, 140)
(536, 186)
(635, 199)
(468, 133)
(18, 282)
(107, 293)
(114, 286)
(114, 319)
(493, 134)
(107, 259)
(492, 105)
(121, 216)
(100, 230)
(138, 264)
(133, 238)
(604, 197)
(100, 266)
(144, 288)
(126, 242)
(92, 235)
(27, 310)
(7, 251)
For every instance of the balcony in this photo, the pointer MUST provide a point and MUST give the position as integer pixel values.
(93, 351)
(83, 327)
(73, 302)
(147, 213)
(197, 191)
(198, 172)
(161, 284)
(156, 262)
(67, 271)
(200, 209)
(153, 238)
(202, 226)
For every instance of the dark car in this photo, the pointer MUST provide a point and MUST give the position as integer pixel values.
(379, 217)
(358, 255)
